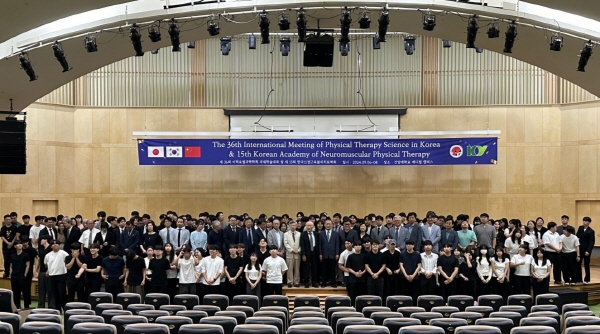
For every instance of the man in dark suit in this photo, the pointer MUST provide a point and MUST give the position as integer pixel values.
(329, 253)
(72, 235)
(230, 234)
(50, 230)
(309, 251)
(261, 232)
(587, 239)
(348, 234)
(118, 230)
(246, 236)
(130, 238)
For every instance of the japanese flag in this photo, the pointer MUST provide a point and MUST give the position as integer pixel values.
(156, 152)
(174, 152)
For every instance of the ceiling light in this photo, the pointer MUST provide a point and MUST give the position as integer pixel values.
(511, 35)
(344, 48)
(472, 29)
(26, 65)
(90, 44)
(154, 52)
(59, 53)
(136, 40)
(174, 35)
(479, 50)
(301, 23)
(345, 22)
(213, 28)
(429, 22)
(252, 42)
(364, 22)
(284, 46)
(154, 33)
(263, 24)
(284, 23)
(493, 31)
(585, 55)
(556, 43)
(191, 45)
(225, 45)
(409, 44)
(384, 22)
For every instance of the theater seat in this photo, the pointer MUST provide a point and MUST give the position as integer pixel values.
(125, 299)
(272, 322)
(581, 321)
(273, 315)
(424, 317)
(109, 314)
(429, 301)
(493, 301)
(221, 301)
(69, 313)
(93, 328)
(96, 298)
(345, 322)
(366, 300)
(361, 329)
(448, 325)
(470, 317)
(367, 311)
(394, 324)
(308, 314)
(172, 309)
(446, 311)
(343, 315)
(13, 319)
(209, 309)
(157, 300)
(6, 328)
(547, 299)
(571, 314)
(77, 306)
(146, 329)
(122, 321)
(44, 311)
(522, 310)
(393, 302)
(228, 323)
(574, 307)
(504, 325)
(246, 300)
(533, 330)
(583, 330)
(307, 300)
(485, 311)
(255, 329)
(194, 315)
(43, 318)
(6, 301)
(545, 308)
(174, 322)
(137, 308)
(310, 329)
(337, 301)
(546, 314)
(307, 309)
(151, 315)
(80, 319)
(461, 302)
(106, 306)
(420, 329)
(201, 329)
(285, 311)
(478, 330)
(379, 317)
(239, 316)
(514, 316)
(249, 311)
(334, 309)
(406, 311)
(523, 300)
(541, 321)
(187, 300)
(274, 300)
(307, 321)
(37, 327)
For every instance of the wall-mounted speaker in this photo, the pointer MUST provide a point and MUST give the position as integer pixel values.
(13, 152)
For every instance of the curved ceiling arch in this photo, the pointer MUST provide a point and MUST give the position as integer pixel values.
(531, 45)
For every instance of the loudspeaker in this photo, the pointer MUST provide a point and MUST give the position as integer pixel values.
(318, 51)
(13, 152)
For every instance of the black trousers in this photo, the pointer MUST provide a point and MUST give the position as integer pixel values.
(522, 285)
(160, 289)
(172, 288)
(503, 289)
(446, 289)
(17, 285)
(27, 292)
(585, 260)
(485, 289)
(428, 285)
(310, 270)
(113, 286)
(42, 289)
(274, 289)
(569, 267)
(355, 289)
(75, 287)
(329, 267)
(92, 285)
(58, 288)
(540, 287)
(556, 265)
(375, 286)
(232, 290)
(411, 289)
(6, 253)
(391, 285)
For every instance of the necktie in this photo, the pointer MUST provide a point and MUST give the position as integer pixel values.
(312, 241)
(179, 238)
(68, 231)
(294, 236)
(278, 240)
(234, 230)
(52, 233)
(90, 240)
(168, 235)
(250, 236)
(328, 235)
(378, 230)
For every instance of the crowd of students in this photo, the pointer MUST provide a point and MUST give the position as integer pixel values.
(398, 254)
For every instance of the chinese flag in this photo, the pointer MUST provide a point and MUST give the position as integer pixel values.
(192, 152)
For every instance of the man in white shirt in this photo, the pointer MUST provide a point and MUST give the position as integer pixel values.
(291, 241)
(34, 232)
(553, 247)
(57, 275)
(428, 269)
(181, 236)
(342, 262)
(570, 255)
(274, 267)
(168, 233)
(87, 237)
(186, 263)
(212, 270)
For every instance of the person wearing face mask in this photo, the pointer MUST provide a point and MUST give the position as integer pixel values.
(484, 271)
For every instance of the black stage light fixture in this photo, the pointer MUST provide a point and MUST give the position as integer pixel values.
(284, 22)
(136, 40)
(59, 53)
(154, 52)
(263, 24)
(376, 44)
(225, 45)
(213, 28)
(472, 29)
(191, 45)
(90, 44)
(585, 55)
(284, 46)
(154, 33)
(556, 43)
(345, 22)
(364, 22)
(446, 43)
(409, 44)
(344, 49)
(493, 31)
(26, 65)
(384, 22)
(301, 24)
(429, 22)
(511, 35)
(174, 35)
(252, 42)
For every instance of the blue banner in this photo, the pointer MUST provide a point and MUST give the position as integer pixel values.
(297, 152)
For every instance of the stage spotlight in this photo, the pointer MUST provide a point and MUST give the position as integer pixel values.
(511, 35)
(556, 43)
(409, 44)
(493, 31)
(59, 53)
(136, 40)
(384, 22)
(174, 35)
(213, 28)
(446, 43)
(252, 42)
(429, 22)
(344, 48)
(345, 22)
(284, 23)
(364, 22)
(472, 29)
(284, 46)
(376, 45)
(301, 23)
(191, 45)
(26, 65)
(225, 45)
(479, 50)
(90, 44)
(263, 24)
(154, 52)
(586, 53)
(154, 33)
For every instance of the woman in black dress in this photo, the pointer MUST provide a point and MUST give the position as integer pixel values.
(150, 239)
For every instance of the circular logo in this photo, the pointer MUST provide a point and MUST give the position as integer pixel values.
(456, 151)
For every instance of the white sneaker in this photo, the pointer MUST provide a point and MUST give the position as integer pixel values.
(586, 282)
